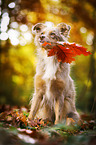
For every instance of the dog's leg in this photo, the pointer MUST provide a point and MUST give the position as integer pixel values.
(72, 113)
(38, 96)
(57, 87)
(35, 104)
(59, 103)
(70, 107)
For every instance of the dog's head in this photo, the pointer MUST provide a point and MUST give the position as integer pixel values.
(49, 33)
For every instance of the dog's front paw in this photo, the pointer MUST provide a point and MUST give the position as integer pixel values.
(56, 122)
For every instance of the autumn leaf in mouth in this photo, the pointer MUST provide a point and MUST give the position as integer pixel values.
(65, 52)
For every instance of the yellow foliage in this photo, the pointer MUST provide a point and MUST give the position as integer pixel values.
(18, 79)
(53, 18)
(88, 83)
(95, 55)
(32, 17)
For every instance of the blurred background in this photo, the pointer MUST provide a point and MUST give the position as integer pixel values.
(18, 52)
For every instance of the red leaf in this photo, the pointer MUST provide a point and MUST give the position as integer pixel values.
(65, 52)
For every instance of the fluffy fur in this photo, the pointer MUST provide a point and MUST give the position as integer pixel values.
(54, 96)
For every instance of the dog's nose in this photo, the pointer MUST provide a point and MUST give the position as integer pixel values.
(42, 37)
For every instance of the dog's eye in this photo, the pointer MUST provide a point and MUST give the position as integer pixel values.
(63, 29)
(38, 29)
(52, 34)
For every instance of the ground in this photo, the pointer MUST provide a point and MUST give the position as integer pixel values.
(15, 130)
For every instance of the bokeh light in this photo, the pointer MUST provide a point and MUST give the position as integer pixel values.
(23, 28)
(14, 25)
(89, 40)
(11, 5)
(5, 22)
(28, 36)
(3, 36)
(83, 30)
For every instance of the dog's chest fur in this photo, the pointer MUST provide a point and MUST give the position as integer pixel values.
(52, 70)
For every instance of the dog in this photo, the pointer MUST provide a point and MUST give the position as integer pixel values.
(54, 95)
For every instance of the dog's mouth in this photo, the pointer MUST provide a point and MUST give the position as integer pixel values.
(42, 41)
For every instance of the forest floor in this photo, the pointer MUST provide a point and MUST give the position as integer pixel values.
(15, 130)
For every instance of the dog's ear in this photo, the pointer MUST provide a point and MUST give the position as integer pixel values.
(64, 29)
(38, 28)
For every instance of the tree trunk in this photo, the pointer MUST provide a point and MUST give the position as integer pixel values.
(92, 98)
